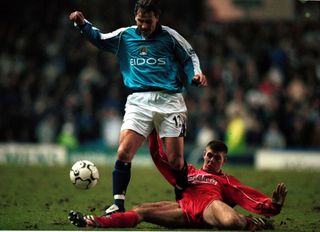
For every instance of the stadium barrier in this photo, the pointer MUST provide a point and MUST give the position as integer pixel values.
(33, 154)
(287, 159)
(47, 154)
(108, 156)
(50, 154)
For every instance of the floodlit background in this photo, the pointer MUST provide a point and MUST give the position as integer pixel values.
(261, 58)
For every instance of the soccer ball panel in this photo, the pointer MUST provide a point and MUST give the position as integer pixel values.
(84, 174)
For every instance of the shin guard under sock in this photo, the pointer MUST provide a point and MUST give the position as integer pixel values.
(121, 178)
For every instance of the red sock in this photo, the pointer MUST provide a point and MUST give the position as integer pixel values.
(127, 219)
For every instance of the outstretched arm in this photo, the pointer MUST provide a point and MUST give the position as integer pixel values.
(107, 42)
(253, 200)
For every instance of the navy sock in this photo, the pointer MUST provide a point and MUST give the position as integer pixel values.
(121, 178)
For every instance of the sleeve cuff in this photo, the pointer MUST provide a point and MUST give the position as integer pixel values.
(86, 22)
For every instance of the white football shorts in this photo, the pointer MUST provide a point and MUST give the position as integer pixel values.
(167, 112)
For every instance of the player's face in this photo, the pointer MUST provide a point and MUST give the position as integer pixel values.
(146, 22)
(213, 161)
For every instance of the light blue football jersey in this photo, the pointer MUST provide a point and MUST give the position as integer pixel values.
(148, 64)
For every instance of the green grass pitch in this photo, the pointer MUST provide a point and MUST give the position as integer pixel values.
(39, 198)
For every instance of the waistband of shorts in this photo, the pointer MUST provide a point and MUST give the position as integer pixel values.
(152, 90)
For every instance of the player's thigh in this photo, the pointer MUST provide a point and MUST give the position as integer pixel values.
(172, 129)
(174, 147)
(221, 215)
(138, 119)
(130, 141)
(165, 213)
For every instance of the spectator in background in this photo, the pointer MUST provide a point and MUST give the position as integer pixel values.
(315, 141)
(111, 124)
(47, 129)
(254, 48)
(236, 135)
(67, 136)
(236, 130)
(273, 138)
(204, 134)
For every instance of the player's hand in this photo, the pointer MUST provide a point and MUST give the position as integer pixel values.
(279, 194)
(200, 80)
(77, 17)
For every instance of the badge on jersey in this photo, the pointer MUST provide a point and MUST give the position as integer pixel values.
(143, 51)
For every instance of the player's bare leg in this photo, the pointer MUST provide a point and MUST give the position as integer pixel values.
(174, 147)
(220, 215)
(130, 141)
(164, 213)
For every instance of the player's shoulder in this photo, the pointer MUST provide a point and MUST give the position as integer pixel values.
(129, 29)
(232, 179)
(132, 28)
(169, 30)
(116, 33)
(173, 34)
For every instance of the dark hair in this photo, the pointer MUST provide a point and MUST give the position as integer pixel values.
(148, 6)
(218, 146)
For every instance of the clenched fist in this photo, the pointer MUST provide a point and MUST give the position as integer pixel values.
(77, 17)
(200, 80)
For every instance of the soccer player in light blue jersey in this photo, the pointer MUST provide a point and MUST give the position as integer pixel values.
(150, 57)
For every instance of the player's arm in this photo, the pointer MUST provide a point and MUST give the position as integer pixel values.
(108, 42)
(253, 200)
(189, 60)
(190, 63)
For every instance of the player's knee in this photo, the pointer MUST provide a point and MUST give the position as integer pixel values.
(176, 163)
(144, 210)
(124, 154)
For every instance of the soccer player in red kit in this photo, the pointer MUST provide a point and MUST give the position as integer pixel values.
(208, 200)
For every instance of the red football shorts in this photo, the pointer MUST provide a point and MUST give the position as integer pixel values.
(194, 203)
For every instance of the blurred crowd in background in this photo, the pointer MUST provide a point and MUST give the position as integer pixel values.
(264, 77)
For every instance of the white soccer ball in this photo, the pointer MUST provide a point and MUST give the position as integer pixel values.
(84, 174)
